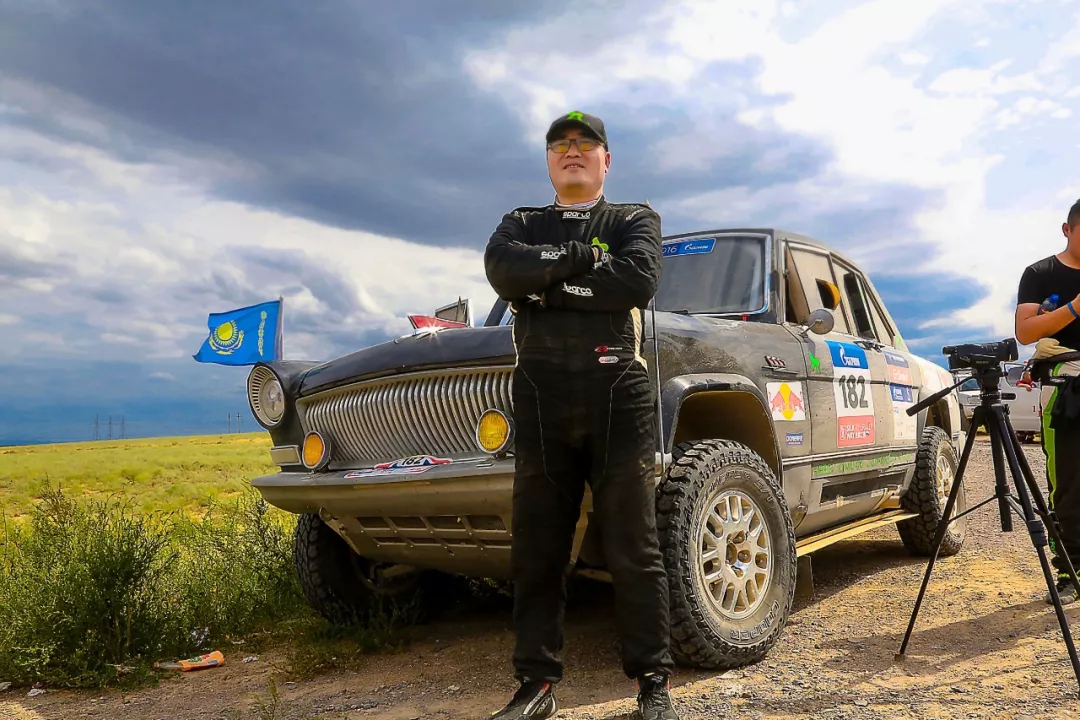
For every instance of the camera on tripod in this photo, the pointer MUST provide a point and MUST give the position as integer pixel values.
(985, 361)
(981, 356)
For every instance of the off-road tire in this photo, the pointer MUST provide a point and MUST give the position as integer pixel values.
(700, 635)
(923, 497)
(331, 575)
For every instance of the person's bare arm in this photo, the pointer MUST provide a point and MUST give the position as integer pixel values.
(1032, 327)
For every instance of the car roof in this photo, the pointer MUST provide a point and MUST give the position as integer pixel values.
(772, 232)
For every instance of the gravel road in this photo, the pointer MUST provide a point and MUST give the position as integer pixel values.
(986, 646)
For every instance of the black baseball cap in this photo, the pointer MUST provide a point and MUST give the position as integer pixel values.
(589, 123)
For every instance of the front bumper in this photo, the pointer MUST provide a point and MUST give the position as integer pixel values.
(453, 517)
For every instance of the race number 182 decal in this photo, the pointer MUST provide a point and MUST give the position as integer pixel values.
(854, 395)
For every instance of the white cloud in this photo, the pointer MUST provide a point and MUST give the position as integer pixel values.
(833, 84)
(914, 58)
(141, 237)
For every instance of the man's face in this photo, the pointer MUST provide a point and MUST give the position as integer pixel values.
(575, 172)
(1072, 234)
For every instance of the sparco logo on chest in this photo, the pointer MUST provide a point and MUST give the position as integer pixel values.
(575, 290)
(575, 215)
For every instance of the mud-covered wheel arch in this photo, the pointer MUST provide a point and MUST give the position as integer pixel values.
(729, 549)
(344, 587)
(935, 470)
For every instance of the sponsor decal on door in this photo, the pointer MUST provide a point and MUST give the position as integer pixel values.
(854, 395)
(899, 368)
(786, 401)
(905, 427)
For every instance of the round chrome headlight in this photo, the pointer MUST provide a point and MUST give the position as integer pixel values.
(266, 396)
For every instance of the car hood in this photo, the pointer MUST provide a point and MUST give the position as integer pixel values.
(450, 347)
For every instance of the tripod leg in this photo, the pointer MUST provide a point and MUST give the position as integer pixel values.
(1035, 527)
(977, 421)
(1049, 516)
(1001, 487)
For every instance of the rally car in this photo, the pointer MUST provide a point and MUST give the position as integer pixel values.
(781, 428)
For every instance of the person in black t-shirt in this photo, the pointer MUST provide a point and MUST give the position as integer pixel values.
(1057, 275)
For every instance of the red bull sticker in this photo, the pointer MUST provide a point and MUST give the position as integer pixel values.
(786, 401)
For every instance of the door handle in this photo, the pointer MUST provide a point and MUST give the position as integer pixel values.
(780, 371)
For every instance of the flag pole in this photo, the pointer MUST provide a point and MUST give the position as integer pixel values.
(280, 349)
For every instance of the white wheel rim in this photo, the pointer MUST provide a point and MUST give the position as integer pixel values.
(734, 554)
(944, 475)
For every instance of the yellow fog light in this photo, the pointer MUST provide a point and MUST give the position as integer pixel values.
(494, 432)
(316, 452)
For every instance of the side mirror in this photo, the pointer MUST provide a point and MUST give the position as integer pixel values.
(821, 322)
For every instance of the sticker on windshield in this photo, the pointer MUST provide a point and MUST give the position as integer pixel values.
(689, 247)
(854, 395)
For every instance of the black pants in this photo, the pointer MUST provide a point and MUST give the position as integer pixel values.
(1062, 448)
(580, 420)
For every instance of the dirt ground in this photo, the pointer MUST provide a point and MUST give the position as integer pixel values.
(986, 646)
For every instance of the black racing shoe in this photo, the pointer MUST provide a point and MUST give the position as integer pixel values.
(534, 700)
(653, 700)
(1066, 591)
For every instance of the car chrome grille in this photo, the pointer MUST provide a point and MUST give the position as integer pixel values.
(431, 413)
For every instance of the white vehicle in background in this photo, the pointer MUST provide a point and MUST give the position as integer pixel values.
(1023, 408)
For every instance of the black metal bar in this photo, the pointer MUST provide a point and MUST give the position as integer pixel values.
(1037, 532)
(1049, 517)
(987, 501)
(1001, 488)
(977, 419)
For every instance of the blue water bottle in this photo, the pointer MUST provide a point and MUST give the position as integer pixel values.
(1049, 304)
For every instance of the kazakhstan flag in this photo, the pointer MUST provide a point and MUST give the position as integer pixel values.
(244, 336)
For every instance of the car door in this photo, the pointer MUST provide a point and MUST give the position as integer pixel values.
(1024, 413)
(847, 389)
(899, 385)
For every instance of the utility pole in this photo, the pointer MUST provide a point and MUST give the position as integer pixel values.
(97, 430)
(122, 428)
(230, 421)
(110, 427)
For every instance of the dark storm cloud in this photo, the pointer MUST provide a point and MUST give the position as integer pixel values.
(14, 266)
(110, 295)
(350, 114)
(360, 117)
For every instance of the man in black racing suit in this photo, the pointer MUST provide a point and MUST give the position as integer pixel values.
(578, 274)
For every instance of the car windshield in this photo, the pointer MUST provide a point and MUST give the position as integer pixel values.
(722, 275)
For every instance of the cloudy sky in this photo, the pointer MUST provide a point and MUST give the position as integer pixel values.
(163, 160)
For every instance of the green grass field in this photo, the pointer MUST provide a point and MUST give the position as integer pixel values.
(170, 474)
(126, 552)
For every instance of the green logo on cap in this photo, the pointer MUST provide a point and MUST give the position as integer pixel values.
(575, 116)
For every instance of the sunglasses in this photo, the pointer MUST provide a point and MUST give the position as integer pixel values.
(584, 145)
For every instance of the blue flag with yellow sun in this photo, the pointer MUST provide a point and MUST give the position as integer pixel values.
(243, 336)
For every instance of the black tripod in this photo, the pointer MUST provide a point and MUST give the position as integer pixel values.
(994, 416)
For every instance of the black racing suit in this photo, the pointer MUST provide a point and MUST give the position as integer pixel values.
(584, 411)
